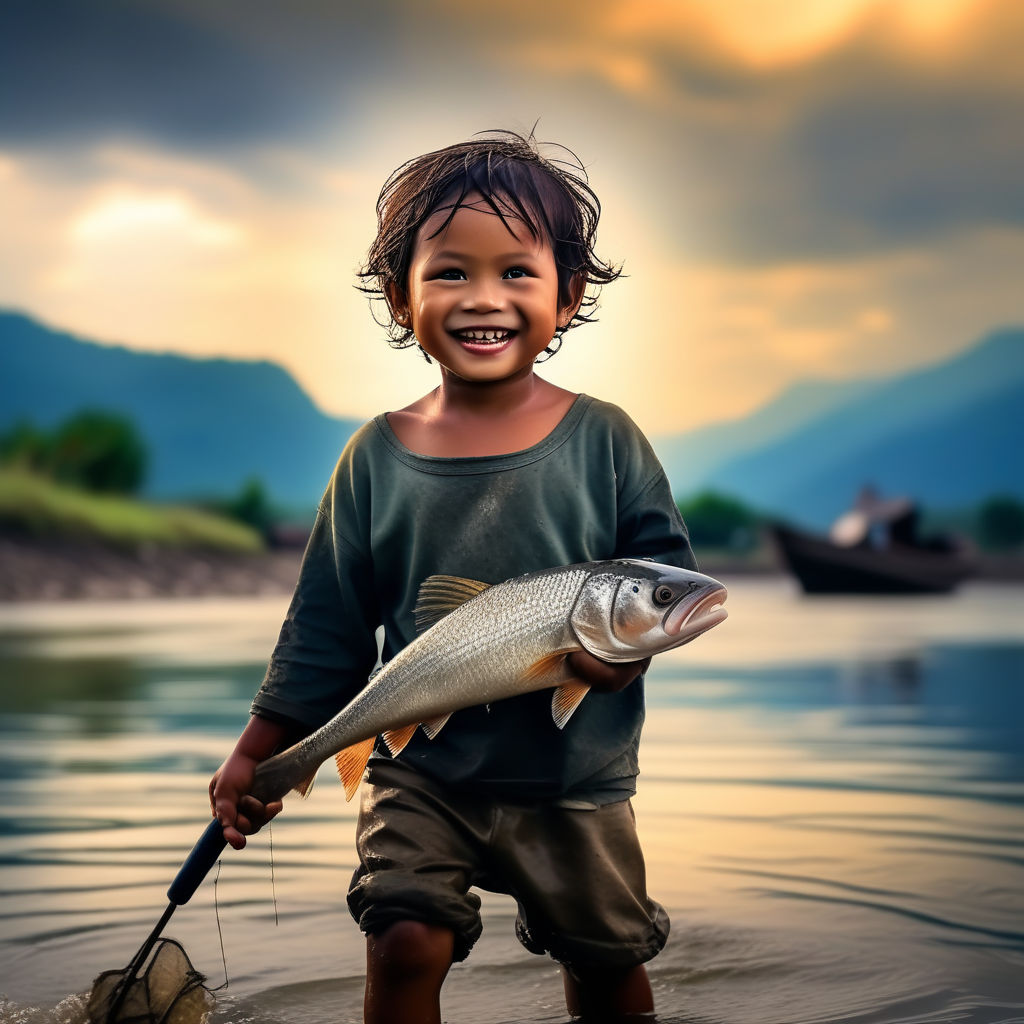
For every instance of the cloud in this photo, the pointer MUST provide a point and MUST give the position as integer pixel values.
(795, 187)
(83, 71)
(809, 129)
(686, 343)
(769, 128)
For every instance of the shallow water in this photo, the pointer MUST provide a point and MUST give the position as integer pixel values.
(831, 804)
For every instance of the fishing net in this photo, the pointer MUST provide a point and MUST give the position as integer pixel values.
(160, 985)
(166, 990)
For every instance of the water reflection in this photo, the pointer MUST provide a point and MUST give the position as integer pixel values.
(830, 803)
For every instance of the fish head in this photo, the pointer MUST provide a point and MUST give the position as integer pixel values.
(629, 609)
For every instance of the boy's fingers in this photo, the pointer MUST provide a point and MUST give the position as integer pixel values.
(235, 838)
(256, 811)
(226, 812)
(253, 815)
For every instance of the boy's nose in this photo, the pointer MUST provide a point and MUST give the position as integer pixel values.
(483, 297)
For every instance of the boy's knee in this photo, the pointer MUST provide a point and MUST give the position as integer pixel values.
(408, 948)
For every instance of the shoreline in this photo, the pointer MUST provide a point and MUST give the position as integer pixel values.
(34, 570)
(51, 570)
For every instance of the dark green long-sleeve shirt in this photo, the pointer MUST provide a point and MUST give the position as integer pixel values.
(592, 489)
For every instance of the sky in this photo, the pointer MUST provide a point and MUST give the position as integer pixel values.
(795, 188)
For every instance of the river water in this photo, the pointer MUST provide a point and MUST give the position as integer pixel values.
(831, 803)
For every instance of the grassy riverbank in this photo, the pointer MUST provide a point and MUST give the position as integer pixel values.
(40, 509)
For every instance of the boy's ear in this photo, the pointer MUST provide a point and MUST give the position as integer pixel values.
(577, 289)
(397, 304)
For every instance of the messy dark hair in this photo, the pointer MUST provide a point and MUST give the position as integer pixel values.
(551, 196)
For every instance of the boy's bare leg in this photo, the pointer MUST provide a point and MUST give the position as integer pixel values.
(606, 995)
(406, 965)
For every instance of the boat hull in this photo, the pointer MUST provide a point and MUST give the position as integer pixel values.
(826, 568)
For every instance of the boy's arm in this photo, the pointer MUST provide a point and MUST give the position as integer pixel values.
(230, 802)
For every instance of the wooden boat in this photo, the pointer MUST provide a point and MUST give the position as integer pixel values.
(825, 567)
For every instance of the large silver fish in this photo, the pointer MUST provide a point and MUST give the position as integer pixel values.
(484, 643)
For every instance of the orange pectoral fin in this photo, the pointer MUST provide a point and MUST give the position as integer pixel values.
(550, 667)
(351, 764)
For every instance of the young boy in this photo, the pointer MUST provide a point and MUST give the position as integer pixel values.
(483, 255)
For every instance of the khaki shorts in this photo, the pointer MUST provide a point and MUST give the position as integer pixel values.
(577, 875)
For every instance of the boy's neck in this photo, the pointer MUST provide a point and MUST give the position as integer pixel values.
(470, 418)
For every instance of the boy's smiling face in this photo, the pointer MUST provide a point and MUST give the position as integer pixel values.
(483, 299)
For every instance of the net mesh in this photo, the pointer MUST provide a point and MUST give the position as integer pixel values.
(167, 990)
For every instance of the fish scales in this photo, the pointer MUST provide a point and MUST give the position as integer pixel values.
(499, 642)
(477, 654)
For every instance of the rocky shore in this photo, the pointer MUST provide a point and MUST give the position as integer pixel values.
(32, 570)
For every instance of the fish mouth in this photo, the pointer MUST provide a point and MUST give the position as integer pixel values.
(685, 621)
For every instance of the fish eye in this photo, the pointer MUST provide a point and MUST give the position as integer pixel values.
(636, 590)
(663, 594)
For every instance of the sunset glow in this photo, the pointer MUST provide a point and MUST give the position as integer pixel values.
(795, 189)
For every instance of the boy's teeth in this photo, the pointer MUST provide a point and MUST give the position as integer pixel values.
(499, 335)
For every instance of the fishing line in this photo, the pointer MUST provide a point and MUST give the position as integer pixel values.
(220, 932)
(273, 883)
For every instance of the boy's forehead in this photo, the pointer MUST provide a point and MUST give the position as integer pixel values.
(441, 220)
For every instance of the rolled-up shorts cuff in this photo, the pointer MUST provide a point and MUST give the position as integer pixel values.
(591, 953)
(377, 901)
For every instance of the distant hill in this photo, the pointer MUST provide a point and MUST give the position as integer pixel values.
(209, 423)
(947, 435)
(692, 457)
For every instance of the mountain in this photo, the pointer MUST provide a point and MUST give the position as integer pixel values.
(943, 435)
(209, 424)
(947, 435)
(691, 457)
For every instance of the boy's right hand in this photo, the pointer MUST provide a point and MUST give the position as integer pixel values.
(239, 813)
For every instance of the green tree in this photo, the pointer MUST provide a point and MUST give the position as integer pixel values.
(1001, 523)
(252, 506)
(719, 521)
(26, 447)
(99, 451)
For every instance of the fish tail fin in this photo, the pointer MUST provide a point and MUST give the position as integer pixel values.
(351, 763)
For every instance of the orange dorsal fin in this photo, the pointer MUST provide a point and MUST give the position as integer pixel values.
(435, 725)
(351, 763)
(565, 700)
(439, 595)
(397, 739)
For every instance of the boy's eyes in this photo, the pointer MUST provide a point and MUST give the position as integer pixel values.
(454, 274)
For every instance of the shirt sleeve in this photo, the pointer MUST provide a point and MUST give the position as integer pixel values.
(327, 645)
(649, 522)
(651, 526)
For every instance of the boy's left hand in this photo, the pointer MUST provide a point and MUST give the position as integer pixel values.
(603, 676)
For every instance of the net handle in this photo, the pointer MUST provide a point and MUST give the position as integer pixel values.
(197, 864)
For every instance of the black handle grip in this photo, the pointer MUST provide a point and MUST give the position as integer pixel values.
(197, 864)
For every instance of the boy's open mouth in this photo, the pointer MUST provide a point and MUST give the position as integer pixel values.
(482, 336)
(484, 339)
